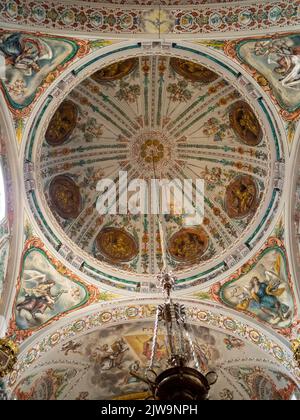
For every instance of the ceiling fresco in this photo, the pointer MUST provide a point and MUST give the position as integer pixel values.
(97, 366)
(29, 60)
(269, 347)
(181, 121)
(6, 223)
(63, 124)
(48, 291)
(82, 289)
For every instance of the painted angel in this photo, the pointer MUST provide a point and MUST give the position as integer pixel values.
(38, 296)
(286, 56)
(24, 52)
(266, 294)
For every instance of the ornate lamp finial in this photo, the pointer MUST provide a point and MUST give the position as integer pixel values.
(166, 281)
(8, 356)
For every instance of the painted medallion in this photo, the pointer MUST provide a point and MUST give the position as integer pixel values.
(62, 124)
(65, 197)
(192, 71)
(245, 124)
(188, 245)
(116, 71)
(116, 245)
(241, 197)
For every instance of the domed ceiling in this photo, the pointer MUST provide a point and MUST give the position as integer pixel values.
(156, 117)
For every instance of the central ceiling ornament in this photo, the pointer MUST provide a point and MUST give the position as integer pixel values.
(152, 150)
(182, 380)
(152, 146)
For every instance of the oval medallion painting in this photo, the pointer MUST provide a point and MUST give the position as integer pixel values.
(241, 197)
(62, 124)
(245, 124)
(116, 71)
(65, 197)
(188, 245)
(192, 71)
(116, 245)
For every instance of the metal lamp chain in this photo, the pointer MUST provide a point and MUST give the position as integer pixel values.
(154, 343)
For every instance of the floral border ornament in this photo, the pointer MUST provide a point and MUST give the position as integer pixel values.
(190, 18)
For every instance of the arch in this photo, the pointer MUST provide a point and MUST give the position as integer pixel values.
(10, 240)
(273, 351)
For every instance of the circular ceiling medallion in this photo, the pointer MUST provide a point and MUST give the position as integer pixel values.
(62, 124)
(192, 71)
(245, 124)
(116, 245)
(152, 151)
(65, 197)
(188, 245)
(241, 197)
(116, 71)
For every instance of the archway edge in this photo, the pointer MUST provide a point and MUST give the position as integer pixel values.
(108, 314)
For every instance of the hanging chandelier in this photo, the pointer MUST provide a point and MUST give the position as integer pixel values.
(182, 379)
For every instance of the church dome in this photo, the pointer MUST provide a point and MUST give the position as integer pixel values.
(156, 117)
